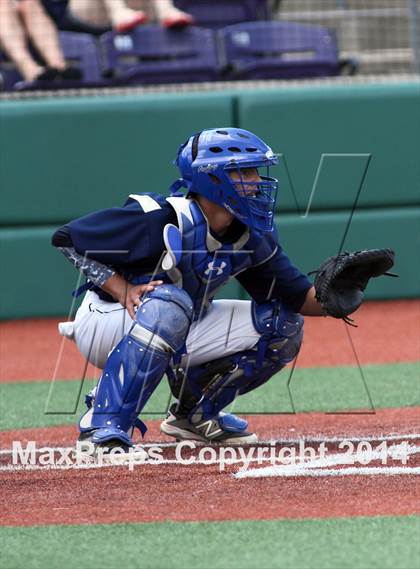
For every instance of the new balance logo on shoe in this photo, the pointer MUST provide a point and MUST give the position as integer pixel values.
(209, 429)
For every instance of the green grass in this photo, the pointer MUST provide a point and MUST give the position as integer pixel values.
(337, 389)
(22, 405)
(356, 543)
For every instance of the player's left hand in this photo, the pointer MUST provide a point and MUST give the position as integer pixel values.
(341, 280)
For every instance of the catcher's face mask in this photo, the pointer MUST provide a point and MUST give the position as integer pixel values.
(223, 165)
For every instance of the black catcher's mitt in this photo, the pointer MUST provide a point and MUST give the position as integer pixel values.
(341, 280)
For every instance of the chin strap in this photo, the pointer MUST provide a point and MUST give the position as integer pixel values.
(177, 185)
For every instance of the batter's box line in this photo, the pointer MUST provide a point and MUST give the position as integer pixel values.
(326, 466)
(279, 441)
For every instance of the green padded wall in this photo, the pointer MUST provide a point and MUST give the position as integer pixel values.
(40, 280)
(308, 241)
(62, 158)
(304, 123)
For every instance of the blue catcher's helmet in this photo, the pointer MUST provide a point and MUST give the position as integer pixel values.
(206, 161)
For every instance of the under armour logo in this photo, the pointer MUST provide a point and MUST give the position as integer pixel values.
(212, 266)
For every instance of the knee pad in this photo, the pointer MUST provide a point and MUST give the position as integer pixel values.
(136, 365)
(221, 381)
(281, 332)
(163, 319)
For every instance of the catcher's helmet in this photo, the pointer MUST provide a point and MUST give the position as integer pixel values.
(205, 161)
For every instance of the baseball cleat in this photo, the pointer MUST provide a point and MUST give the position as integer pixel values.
(215, 430)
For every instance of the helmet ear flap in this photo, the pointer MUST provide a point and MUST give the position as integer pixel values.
(194, 146)
(179, 153)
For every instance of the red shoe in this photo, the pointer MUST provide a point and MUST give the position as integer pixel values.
(178, 21)
(137, 20)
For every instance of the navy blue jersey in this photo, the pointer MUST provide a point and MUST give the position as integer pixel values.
(125, 237)
(277, 278)
(130, 240)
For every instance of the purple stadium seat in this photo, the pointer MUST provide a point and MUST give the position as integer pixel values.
(152, 54)
(280, 50)
(220, 13)
(80, 50)
(9, 75)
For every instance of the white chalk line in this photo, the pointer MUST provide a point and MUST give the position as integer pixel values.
(285, 471)
(396, 452)
(316, 466)
(87, 466)
(350, 471)
(339, 439)
(40, 450)
(281, 441)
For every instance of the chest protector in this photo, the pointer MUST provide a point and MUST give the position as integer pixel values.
(200, 264)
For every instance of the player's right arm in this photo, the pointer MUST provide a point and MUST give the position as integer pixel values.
(107, 244)
(127, 294)
(101, 275)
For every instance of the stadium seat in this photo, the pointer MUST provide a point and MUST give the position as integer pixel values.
(280, 50)
(9, 75)
(220, 13)
(80, 50)
(152, 54)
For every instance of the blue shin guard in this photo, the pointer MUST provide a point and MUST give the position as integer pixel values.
(136, 365)
(221, 381)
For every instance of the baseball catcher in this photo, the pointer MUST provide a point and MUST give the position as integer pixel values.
(153, 268)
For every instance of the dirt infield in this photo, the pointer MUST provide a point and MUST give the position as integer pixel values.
(172, 491)
(373, 342)
(338, 484)
(398, 421)
(115, 495)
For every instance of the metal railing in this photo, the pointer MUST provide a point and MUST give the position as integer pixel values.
(384, 35)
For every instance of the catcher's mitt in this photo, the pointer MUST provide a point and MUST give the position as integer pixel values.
(341, 280)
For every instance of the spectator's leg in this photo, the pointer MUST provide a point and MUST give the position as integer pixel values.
(13, 41)
(142, 5)
(169, 16)
(89, 11)
(122, 17)
(43, 33)
(105, 12)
